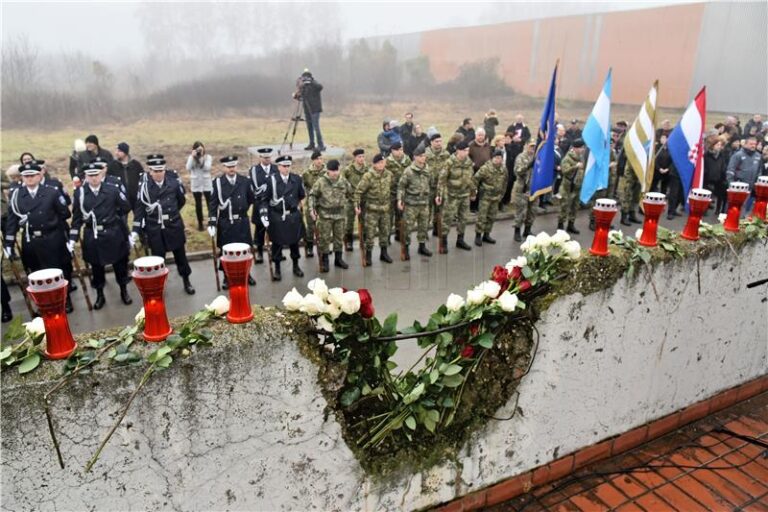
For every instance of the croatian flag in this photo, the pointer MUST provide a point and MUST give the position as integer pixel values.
(686, 145)
(597, 137)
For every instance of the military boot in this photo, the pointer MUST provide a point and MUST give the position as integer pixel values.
(188, 286)
(348, 243)
(296, 269)
(339, 261)
(518, 237)
(527, 231)
(259, 255)
(592, 224)
(324, 266)
(225, 283)
(461, 244)
(310, 252)
(407, 253)
(100, 300)
(368, 257)
(625, 219)
(423, 250)
(68, 307)
(127, 300)
(487, 239)
(444, 245)
(384, 256)
(572, 229)
(276, 275)
(478, 239)
(634, 219)
(560, 224)
(251, 280)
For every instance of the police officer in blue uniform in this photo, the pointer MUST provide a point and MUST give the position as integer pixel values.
(39, 211)
(231, 198)
(279, 213)
(259, 175)
(158, 216)
(101, 206)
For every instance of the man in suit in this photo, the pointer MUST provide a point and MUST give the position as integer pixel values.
(259, 174)
(279, 213)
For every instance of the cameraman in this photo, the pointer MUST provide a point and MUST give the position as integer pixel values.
(308, 92)
(199, 167)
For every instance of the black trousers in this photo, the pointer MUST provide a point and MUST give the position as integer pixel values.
(182, 263)
(258, 234)
(6, 296)
(277, 252)
(674, 192)
(199, 204)
(120, 267)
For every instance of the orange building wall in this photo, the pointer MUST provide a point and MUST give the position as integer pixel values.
(641, 46)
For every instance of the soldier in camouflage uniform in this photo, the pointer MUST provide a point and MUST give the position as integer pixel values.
(397, 163)
(437, 157)
(454, 187)
(630, 196)
(330, 194)
(610, 191)
(523, 207)
(372, 202)
(353, 173)
(491, 180)
(413, 201)
(572, 168)
(309, 177)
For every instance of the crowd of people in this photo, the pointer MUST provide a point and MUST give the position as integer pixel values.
(418, 182)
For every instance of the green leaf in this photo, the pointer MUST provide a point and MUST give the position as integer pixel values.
(206, 334)
(485, 340)
(452, 369)
(366, 389)
(391, 365)
(390, 325)
(349, 397)
(376, 361)
(527, 272)
(433, 376)
(433, 415)
(127, 357)
(29, 363)
(95, 343)
(164, 362)
(446, 338)
(414, 394)
(645, 256)
(14, 330)
(7, 351)
(159, 354)
(410, 422)
(452, 381)
(447, 402)
(391, 348)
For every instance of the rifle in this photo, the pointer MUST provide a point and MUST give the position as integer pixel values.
(17, 277)
(79, 270)
(402, 234)
(439, 218)
(215, 265)
(317, 245)
(360, 232)
(268, 247)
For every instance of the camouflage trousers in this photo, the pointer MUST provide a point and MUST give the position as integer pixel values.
(630, 192)
(525, 210)
(349, 215)
(605, 193)
(416, 217)
(330, 231)
(434, 210)
(376, 224)
(569, 204)
(311, 227)
(486, 213)
(455, 211)
(394, 216)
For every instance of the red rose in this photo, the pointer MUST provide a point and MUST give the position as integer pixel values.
(467, 352)
(366, 303)
(524, 285)
(499, 275)
(516, 273)
(474, 329)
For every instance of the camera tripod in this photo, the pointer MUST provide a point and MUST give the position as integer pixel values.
(293, 124)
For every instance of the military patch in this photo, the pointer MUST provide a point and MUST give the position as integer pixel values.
(122, 197)
(62, 201)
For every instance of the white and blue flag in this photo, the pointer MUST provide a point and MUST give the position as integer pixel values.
(597, 137)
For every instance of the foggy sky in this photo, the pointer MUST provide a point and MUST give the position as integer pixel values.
(114, 31)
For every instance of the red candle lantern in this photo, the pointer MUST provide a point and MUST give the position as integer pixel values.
(150, 274)
(236, 259)
(48, 290)
(761, 197)
(698, 202)
(604, 211)
(738, 192)
(653, 206)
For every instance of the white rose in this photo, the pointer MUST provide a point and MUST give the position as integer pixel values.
(543, 240)
(334, 296)
(615, 234)
(560, 237)
(333, 311)
(350, 303)
(722, 218)
(639, 233)
(520, 261)
(35, 327)
(475, 296)
(529, 244)
(292, 300)
(508, 301)
(312, 305)
(219, 306)
(572, 249)
(490, 289)
(324, 324)
(319, 288)
(454, 302)
(139, 318)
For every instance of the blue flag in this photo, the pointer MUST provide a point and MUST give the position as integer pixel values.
(544, 164)
(597, 137)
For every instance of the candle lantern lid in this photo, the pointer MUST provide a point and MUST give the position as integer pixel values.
(149, 266)
(738, 186)
(655, 197)
(46, 279)
(762, 180)
(606, 205)
(700, 193)
(237, 251)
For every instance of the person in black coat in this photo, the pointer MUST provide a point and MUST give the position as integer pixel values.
(231, 198)
(715, 165)
(41, 211)
(101, 207)
(91, 153)
(157, 215)
(278, 208)
(416, 138)
(308, 92)
(128, 169)
(259, 174)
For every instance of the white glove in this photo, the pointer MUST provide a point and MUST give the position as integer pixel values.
(212, 231)
(265, 221)
(7, 252)
(133, 239)
(71, 246)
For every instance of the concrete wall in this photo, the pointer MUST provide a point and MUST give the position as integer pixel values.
(241, 425)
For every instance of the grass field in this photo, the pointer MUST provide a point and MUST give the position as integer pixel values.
(356, 126)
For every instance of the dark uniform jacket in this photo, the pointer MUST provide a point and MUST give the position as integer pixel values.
(77, 161)
(130, 174)
(228, 209)
(158, 214)
(105, 237)
(259, 182)
(280, 202)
